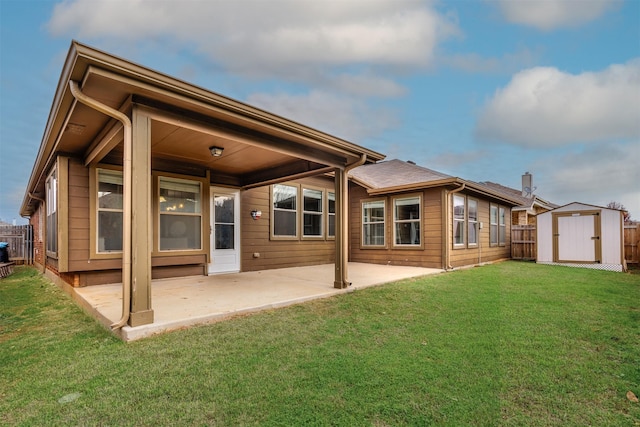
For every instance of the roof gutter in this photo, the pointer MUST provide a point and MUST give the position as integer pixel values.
(447, 216)
(345, 215)
(127, 195)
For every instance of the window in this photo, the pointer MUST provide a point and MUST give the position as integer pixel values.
(180, 214)
(331, 214)
(501, 227)
(493, 225)
(224, 221)
(52, 212)
(311, 213)
(458, 220)
(373, 223)
(109, 206)
(285, 210)
(472, 221)
(406, 220)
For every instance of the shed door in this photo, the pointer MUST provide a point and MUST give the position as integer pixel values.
(577, 237)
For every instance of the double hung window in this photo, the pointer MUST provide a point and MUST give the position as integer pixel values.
(312, 213)
(406, 219)
(180, 203)
(458, 220)
(331, 214)
(285, 210)
(52, 212)
(109, 206)
(472, 222)
(373, 223)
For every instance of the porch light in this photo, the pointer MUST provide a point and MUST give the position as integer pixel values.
(216, 151)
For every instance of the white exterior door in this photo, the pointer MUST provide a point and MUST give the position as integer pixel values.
(225, 231)
(578, 238)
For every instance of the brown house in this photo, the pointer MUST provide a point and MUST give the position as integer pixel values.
(140, 175)
(405, 214)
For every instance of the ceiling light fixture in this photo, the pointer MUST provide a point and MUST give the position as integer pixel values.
(216, 151)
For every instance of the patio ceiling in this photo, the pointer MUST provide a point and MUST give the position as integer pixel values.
(259, 147)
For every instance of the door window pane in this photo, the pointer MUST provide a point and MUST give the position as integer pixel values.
(224, 221)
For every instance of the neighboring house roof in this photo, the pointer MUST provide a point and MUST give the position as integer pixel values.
(524, 203)
(393, 176)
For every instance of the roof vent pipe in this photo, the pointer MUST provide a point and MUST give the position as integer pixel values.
(127, 195)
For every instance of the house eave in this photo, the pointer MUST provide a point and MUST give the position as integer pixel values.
(82, 60)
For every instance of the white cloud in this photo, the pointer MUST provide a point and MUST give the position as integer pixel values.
(342, 116)
(544, 107)
(596, 175)
(270, 36)
(551, 14)
(508, 63)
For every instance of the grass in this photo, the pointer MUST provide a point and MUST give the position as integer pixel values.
(506, 344)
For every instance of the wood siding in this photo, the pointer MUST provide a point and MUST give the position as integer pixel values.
(85, 271)
(431, 232)
(260, 252)
(432, 224)
(483, 252)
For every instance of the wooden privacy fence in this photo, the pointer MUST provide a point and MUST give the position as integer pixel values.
(631, 241)
(523, 242)
(20, 240)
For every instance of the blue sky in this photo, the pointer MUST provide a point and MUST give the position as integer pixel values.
(483, 90)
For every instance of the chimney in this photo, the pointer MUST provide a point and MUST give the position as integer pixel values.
(527, 185)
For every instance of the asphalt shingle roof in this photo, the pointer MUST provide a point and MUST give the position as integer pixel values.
(394, 173)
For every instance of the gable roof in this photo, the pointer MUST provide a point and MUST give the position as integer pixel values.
(394, 176)
(185, 119)
(524, 202)
(396, 173)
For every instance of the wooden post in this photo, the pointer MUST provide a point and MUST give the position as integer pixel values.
(342, 229)
(140, 217)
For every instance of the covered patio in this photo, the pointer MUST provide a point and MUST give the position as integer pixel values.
(188, 301)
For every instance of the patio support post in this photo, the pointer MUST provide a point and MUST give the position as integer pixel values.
(141, 312)
(341, 229)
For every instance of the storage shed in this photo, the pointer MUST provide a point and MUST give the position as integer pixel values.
(582, 235)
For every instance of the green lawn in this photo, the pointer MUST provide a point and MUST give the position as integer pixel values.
(505, 344)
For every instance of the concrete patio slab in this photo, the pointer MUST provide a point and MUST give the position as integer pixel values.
(186, 301)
